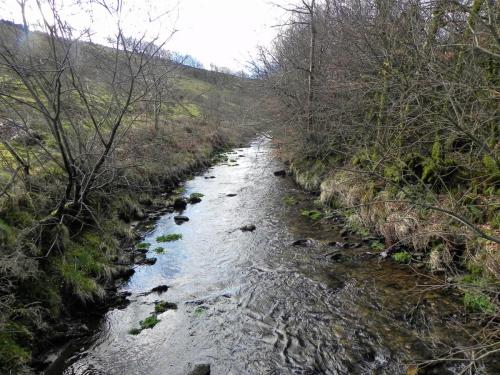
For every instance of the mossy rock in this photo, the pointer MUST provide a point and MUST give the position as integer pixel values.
(163, 306)
(149, 322)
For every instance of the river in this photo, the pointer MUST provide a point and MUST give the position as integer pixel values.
(251, 302)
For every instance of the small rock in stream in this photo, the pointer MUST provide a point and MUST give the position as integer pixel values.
(194, 200)
(248, 228)
(281, 173)
(201, 369)
(303, 242)
(231, 195)
(159, 289)
(147, 261)
(179, 219)
(340, 245)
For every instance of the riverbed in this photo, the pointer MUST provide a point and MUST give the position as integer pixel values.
(261, 302)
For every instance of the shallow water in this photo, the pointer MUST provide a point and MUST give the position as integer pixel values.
(251, 303)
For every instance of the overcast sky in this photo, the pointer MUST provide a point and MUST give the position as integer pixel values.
(223, 32)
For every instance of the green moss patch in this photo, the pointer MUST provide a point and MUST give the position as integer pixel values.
(149, 322)
(169, 237)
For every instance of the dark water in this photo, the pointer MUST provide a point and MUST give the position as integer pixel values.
(251, 303)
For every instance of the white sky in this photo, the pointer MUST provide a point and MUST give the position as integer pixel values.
(223, 32)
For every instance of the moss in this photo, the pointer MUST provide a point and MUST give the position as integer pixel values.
(196, 195)
(144, 245)
(149, 322)
(159, 250)
(402, 257)
(478, 302)
(163, 306)
(169, 237)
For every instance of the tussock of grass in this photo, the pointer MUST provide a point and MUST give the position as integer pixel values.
(144, 245)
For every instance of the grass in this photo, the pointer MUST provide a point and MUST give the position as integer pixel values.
(312, 214)
(169, 237)
(144, 245)
(402, 257)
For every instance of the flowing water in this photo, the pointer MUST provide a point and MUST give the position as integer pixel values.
(252, 303)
